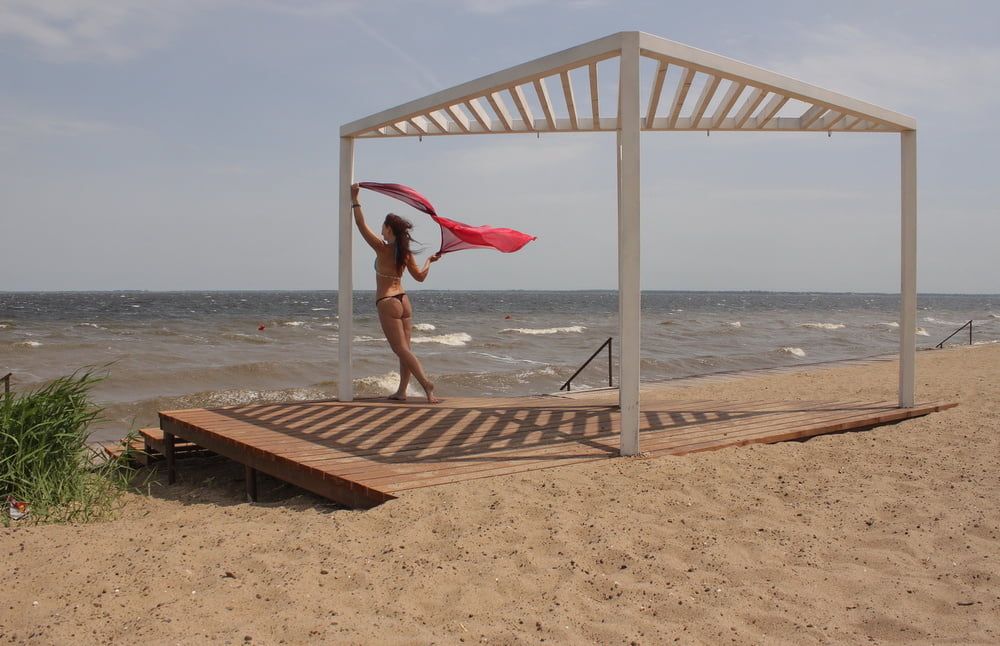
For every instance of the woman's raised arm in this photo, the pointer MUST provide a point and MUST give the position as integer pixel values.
(373, 240)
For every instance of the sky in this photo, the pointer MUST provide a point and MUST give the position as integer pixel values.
(194, 145)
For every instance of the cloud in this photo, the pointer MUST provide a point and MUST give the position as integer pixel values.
(894, 70)
(121, 30)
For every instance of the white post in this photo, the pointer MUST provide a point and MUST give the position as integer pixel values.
(345, 289)
(629, 329)
(908, 269)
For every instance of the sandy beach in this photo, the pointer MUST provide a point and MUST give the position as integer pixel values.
(885, 536)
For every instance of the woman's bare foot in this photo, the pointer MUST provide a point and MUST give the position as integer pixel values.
(431, 399)
(398, 396)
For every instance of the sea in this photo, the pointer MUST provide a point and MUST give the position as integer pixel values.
(169, 350)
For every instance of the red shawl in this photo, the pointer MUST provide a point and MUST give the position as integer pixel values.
(455, 235)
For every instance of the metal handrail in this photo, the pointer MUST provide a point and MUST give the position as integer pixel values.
(967, 325)
(6, 382)
(567, 387)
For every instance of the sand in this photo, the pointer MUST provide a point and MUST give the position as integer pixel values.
(885, 536)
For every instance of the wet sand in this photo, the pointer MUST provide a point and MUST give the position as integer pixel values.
(889, 536)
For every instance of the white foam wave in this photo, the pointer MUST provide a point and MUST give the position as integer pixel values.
(366, 339)
(507, 359)
(294, 323)
(387, 383)
(545, 330)
(995, 316)
(986, 342)
(93, 325)
(424, 327)
(798, 352)
(332, 337)
(824, 326)
(3, 326)
(27, 344)
(320, 309)
(734, 324)
(931, 319)
(891, 324)
(459, 338)
(921, 332)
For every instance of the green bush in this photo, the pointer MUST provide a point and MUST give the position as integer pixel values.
(44, 456)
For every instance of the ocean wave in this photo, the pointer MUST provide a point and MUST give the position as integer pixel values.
(734, 324)
(294, 323)
(382, 385)
(93, 325)
(798, 352)
(424, 327)
(890, 324)
(986, 342)
(366, 339)
(545, 330)
(995, 316)
(27, 344)
(320, 309)
(931, 319)
(246, 338)
(458, 338)
(504, 359)
(331, 337)
(921, 332)
(668, 322)
(824, 326)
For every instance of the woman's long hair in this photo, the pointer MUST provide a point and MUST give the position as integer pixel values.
(401, 230)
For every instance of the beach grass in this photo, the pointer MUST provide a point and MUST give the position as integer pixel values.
(44, 456)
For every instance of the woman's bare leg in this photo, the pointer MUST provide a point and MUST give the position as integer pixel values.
(404, 372)
(390, 313)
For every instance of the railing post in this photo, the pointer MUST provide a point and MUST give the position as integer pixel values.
(610, 382)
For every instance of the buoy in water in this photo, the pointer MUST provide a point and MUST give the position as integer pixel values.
(260, 328)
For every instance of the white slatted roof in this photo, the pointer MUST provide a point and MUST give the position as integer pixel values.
(690, 89)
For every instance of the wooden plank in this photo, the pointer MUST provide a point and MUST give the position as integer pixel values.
(521, 103)
(318, 482)
(567, 86)
(706, 97)
(496, 102)
(682, 91)
(655, 92)
(388, 451)
(542, 92)
(595, 107)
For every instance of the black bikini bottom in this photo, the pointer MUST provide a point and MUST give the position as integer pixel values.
(396, 296)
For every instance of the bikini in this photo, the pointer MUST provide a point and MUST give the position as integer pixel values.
(398, 297)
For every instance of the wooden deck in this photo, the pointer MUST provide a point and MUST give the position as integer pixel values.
(366, 452)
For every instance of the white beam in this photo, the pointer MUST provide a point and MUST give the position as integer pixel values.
(594, 51)
(908, 269)
(345, 283)
(458, 117)
(770, 109)
(567, 86)
(682, 91)
(629, 298)
(476, 108)
(522, 106)
(734, 92)
(595, 107)
(716, 65)
(542, 91)
(500, 108)
(419, 124)
(706, 97)
(811, 115)
(749, 106)
(655, 92)
(439, 120)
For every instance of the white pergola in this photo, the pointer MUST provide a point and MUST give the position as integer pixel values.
(707, 92)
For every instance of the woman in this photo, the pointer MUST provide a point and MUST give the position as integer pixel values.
(392, 254)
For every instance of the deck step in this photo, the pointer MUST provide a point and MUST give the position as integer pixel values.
(153, 440)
